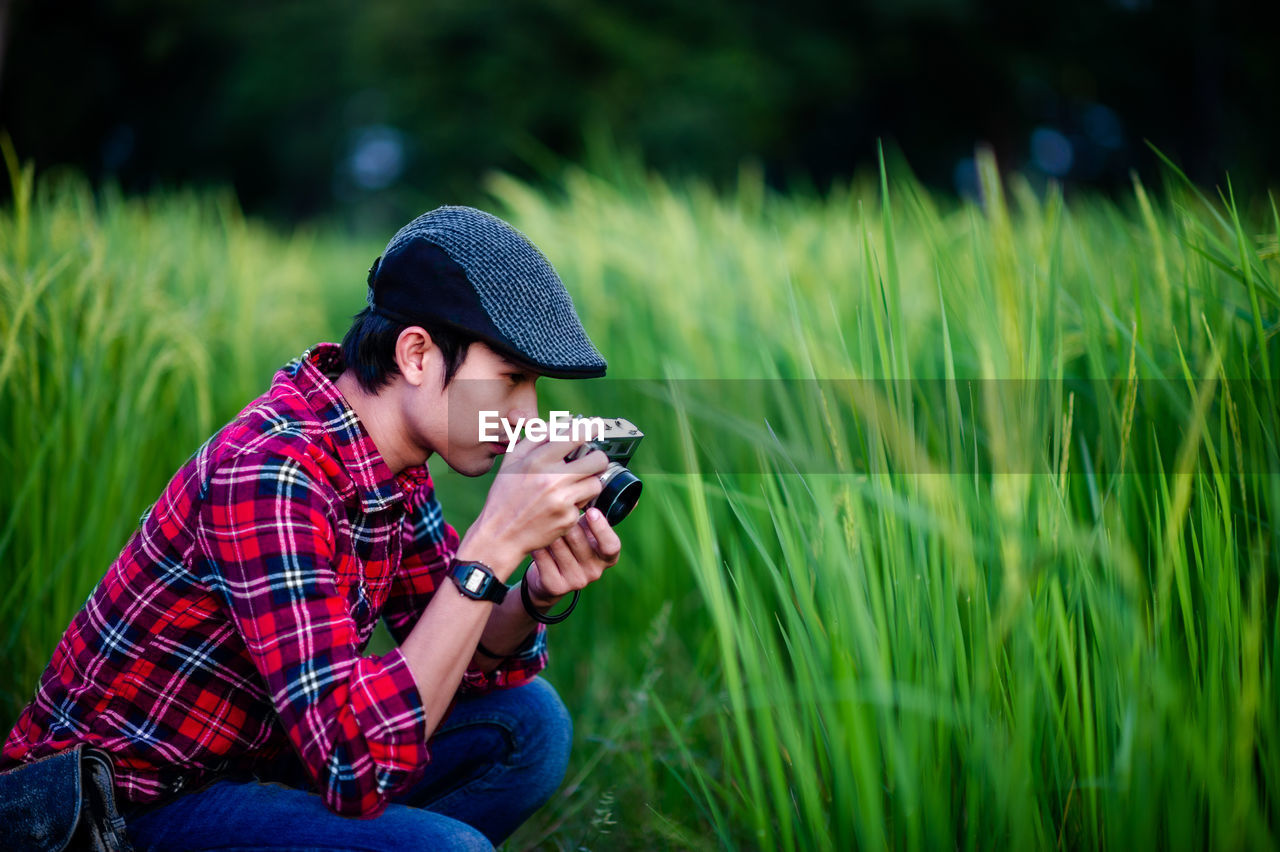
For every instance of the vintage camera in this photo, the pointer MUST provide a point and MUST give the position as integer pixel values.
(621, 486)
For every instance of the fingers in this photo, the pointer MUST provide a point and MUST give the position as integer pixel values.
(584, 523)
(575, 573)
(593, 461)
(585, 490)
(593, 549)
(583, 553)
(607, 544)
(579, 557)
(549, 445)
(554, 446)
(558, 572)
(544, 577)
(549, 455)
(537, 497)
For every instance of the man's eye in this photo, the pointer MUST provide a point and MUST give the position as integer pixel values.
(516, 378)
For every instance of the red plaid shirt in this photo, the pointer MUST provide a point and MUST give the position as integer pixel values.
(232, 627)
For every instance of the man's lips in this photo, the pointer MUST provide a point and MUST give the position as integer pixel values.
(496, 448)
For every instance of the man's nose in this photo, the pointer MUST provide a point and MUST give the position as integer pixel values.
(525, 405)
(529, 399)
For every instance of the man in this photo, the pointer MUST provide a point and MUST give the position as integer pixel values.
(220, 661)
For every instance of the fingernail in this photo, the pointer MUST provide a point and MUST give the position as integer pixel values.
(594, 513)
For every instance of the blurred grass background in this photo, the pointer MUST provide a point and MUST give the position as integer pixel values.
(1018, 614)
(372, 112)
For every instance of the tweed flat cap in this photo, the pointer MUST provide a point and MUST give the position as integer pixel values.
(474, 272)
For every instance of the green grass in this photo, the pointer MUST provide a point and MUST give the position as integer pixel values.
(1004, 577)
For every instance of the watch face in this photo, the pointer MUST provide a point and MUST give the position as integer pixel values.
(477, 581)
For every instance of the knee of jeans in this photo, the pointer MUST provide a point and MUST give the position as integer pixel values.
(465, 839)
(422, 830)
(548, 733)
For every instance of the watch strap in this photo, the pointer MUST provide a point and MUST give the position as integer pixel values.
(477, 581)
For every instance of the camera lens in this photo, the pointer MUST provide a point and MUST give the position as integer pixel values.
(620, 493)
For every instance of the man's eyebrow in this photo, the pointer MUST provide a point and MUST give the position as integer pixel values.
(516, 365)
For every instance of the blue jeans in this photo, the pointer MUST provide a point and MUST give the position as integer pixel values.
(496, 759)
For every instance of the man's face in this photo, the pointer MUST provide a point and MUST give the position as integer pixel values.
(486, 382)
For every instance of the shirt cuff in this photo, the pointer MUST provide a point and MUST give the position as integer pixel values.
(518, 667)
(388, 706)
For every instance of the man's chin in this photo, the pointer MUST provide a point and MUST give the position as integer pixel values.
(473, 467)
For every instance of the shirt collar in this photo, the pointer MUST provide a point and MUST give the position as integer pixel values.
(372, 482)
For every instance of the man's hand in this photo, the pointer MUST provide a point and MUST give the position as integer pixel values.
(573, 561)
(533, 503)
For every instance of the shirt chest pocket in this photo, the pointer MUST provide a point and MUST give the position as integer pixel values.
(365, 567)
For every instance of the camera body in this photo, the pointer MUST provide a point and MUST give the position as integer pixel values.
(622, 488)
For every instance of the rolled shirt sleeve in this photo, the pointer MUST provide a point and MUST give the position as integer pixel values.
(357, 722)
(520, 666)
(429, 545)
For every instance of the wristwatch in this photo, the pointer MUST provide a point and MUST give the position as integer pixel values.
(476, 580)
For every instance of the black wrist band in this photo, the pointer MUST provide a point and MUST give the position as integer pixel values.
(540, 616)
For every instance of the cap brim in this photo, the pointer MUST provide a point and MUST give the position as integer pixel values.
(555, 371)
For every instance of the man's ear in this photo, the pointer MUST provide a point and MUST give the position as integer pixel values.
(414, 351)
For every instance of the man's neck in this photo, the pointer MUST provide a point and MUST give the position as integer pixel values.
(381, 420)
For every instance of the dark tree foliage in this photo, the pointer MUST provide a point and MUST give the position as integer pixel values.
(389, 105)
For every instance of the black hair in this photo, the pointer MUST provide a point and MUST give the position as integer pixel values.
(369, 348)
